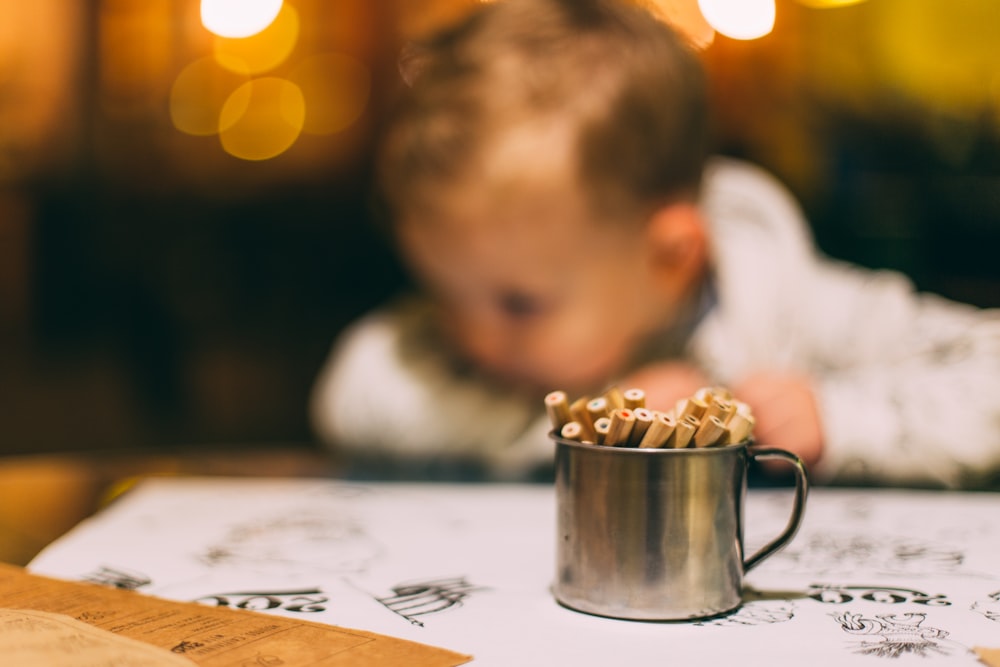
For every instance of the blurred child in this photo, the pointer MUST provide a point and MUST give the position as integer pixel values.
(549, 187)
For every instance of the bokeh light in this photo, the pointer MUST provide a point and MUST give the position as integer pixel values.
(336, 88)
(685, 17)
(828, 4)
(262, 119)
(238, 18)
(264, 50)
(739, 19)
(199, 93)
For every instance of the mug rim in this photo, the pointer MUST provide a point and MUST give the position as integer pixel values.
(652, 451)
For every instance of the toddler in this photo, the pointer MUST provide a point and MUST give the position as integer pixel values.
(548, 182)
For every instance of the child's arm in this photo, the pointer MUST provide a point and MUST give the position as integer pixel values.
(906, 385)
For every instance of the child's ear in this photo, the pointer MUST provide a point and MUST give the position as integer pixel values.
(677, 240)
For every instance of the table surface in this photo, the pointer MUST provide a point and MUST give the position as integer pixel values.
(44, 495)
(872, 576)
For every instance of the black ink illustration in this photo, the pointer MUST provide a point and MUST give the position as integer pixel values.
(895, 635)
(411, 600)
(833, 594)
(990, 607)
(826, 554)
(755, 613)
(118, 578)
(186, 646)
(303, 601)
(304, 541)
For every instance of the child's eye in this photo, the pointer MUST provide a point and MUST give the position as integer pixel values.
(521, 305)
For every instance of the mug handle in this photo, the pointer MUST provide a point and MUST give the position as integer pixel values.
(798, 509)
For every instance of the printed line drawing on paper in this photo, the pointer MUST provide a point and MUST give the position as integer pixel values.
(118, 577)
(896, 635)
(837, 594)
(826, 554)
(311, 600)
(989, 607)
(422, 598)
(308, 540)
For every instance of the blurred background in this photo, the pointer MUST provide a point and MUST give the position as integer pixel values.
(184, 209)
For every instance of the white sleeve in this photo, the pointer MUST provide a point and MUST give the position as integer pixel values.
(389, 389)
(909, 383)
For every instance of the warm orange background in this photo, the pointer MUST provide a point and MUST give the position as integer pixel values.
(158, 293)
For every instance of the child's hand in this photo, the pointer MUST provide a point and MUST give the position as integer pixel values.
(666, 382)
(785, 409)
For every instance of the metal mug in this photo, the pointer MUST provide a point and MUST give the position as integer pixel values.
(657, 534)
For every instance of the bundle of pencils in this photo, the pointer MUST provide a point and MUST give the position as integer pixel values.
(711, 417)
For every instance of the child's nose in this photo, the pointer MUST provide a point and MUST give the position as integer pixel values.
(489, 345)
(497, 348)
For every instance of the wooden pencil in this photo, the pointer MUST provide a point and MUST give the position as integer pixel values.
(659, 431)
(621, 425)
(643, 420)
(597, 408)
(684, 432)
(739, 427)
(578, 411)
(613, 395)
(720, 408)
(557, 408)
(691, 406)
(572, 431)
(710, 432)
(634, 398)
(709, 417)
(709, 394)
(601, 426)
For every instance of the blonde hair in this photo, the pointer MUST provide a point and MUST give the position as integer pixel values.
(632, 90)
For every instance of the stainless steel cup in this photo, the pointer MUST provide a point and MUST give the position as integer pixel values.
(657, 534)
